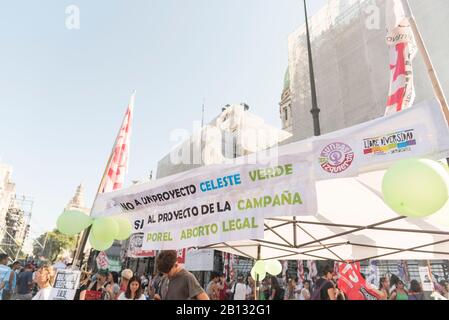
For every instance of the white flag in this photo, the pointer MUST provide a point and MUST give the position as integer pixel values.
(403, 49)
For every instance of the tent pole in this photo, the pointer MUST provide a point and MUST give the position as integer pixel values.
(295, 242)
(256, 287)
(322, 244)
(405, 250)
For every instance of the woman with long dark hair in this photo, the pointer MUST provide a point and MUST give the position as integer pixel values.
(276, 291)
(400, 293)
(112, 286)
(384, 287)
(133, 290)
(415, 292)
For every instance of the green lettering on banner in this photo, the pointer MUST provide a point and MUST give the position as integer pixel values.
(271, 173)
(282, 199)
(239, 224)
(200, 231)
(159, 236)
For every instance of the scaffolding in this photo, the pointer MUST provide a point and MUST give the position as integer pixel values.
(16, 228)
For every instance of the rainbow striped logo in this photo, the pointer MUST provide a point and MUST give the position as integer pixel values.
(401, 141)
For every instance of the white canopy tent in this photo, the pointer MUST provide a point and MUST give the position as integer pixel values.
(353, 222)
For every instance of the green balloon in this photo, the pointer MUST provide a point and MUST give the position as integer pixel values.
(124, 228)
(416, 187)
(98, 244)
(254, 274)
(73, 222)
(105, 229)
(274, 267)
(259, 267)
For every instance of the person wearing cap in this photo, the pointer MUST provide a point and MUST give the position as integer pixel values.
(126, 275)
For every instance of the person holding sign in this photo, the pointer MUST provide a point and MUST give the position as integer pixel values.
(96, 290)
(44, 278)
(133, 291)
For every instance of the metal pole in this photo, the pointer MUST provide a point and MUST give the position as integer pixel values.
(256, 286)
(315, 110)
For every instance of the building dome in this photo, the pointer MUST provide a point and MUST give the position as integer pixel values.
(287, 80)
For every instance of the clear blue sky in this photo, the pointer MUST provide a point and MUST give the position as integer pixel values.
(63, 92)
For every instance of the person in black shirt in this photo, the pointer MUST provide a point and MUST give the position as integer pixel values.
(25, 284)
(324, 287)
(84, 284)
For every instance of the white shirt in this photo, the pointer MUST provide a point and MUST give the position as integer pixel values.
(304, 292)
(123, 297)
(249, 291)
(59, 265)
(240, 291)
(298, 294)
(43, 294)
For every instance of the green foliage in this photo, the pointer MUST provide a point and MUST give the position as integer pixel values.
(54, 243)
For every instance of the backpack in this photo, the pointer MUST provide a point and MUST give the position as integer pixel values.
(233, 291)
(317, 290)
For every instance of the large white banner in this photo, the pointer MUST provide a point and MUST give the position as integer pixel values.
(220, 204)
(417, 132)
(229, 202)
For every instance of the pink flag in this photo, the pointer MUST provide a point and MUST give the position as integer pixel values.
(300, 271)
(226, 264)
(403, 49)
(118, 166)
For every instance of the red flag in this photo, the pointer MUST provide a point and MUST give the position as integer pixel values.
(352, 283)
(403, 49)
(118, 165)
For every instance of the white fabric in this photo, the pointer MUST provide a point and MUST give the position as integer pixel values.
(59, 265)
(240, 291)
(304, 292)
(43, 294)
(123, 297)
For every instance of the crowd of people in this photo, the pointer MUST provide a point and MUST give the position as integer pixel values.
(173, 282)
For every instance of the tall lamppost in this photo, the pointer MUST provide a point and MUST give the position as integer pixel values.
(315, 110)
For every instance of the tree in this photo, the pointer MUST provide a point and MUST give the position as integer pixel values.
(51, 244)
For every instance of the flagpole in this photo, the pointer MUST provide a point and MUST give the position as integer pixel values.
(82, 244)
(439, 93)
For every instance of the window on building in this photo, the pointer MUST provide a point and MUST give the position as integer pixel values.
(286, 114)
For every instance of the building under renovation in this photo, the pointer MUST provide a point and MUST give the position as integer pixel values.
(15, 215)
(351, 62)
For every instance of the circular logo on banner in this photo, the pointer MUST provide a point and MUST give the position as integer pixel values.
(336, 157)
